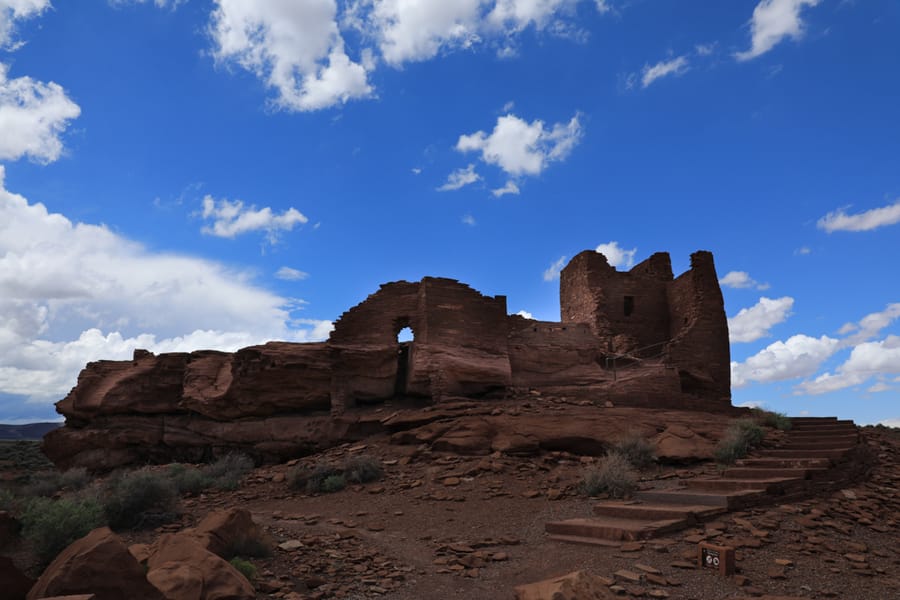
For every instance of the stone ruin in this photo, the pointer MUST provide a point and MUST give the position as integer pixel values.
(636, 338)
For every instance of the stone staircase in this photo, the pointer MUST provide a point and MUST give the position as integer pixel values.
(820, 453)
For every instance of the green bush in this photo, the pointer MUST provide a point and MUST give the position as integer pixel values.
(334, 483)
(227, 472)
(636, 449)
(8, 501)
(51, 525)
(614, 476)
(311, 480)
(189, 480)
(741, 436)
(142, 498)
(43, 484)
(771, 419)
(75, 479)
(363, 469)
(244, 567)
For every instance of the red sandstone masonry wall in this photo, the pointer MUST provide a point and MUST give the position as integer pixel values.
(544, 353)
(630, 306)
(699, 330)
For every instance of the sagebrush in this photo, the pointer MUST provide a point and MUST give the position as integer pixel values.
(614, 476)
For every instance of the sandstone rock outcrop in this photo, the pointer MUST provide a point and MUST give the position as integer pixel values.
(636, 338)
(579, 585)
(98, 564)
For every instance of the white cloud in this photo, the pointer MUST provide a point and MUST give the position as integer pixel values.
(871, 325)
(803, 251)
(33, 116)
(616, 256)
(63, 284)
(676, 66)
(603, 6)
(509, 188)
(516, 15)
(864, 221)
(741, 280)
(753, 323)
(705, 49)
(17, 10)
(460, 178)
(173, 4)
(866, 361)
(289, 274)
(296, 48)
(552, 272)
(891, 422)
(879, 387)
(522, 148)
(799, 356)
(774, 20)
(230, 219)
(469, 220)
(526, 314)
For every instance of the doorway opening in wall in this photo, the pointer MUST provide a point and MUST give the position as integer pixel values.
(405, 339)
(629, 305)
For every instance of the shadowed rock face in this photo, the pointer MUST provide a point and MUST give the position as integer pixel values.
(637, 338)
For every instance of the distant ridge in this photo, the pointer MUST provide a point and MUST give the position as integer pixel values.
(28, 431)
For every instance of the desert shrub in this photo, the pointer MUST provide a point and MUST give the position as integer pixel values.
(140, 498)
(51, 525)
(741, 436)
(227, 472)
(636, 449)
(43, 484)
(75, 479)
(363, 469)
(302, 477)
(258, 545)
(244, 567)
(189, 480)
(614, 476)
(771, 419)
(8, 501)
(334, 483)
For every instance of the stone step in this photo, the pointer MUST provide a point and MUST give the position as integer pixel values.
(769, 472)
(796, 420)
(610, 528)
(655, 511)
(817, 446)
(587, 541)
(785, 463)
(778, 453)
(735, 485)
(728, 500)
(802, 433)
(824, 425)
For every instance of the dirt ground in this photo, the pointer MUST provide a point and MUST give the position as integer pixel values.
(452, 527)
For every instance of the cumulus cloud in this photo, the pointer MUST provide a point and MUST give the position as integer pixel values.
(33, 116)
(74, 292)
(526, 314)
(460, 178)
(865, 221)
(17, 10)
(774, 20)
(891, 422)
(798, 356)
(871, 325)
(469, 220)
(172, 4)
(741, 280)
(753, 323)
(522, 148)
(552, 272)
(509, 188)
(676, 66)
(230, 219)
(866, 361)
(616, 256)
(296, 48)
(407, 31)
(289, 274)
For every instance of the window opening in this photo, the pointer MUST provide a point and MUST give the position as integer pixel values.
(405, 335)
(629, 305)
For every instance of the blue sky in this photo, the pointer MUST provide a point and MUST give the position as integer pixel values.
(193, 174)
